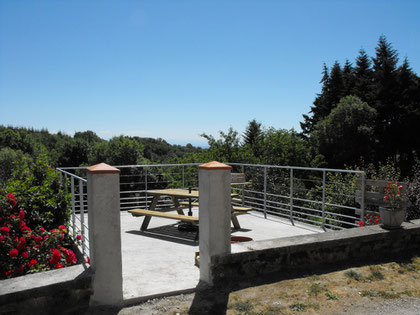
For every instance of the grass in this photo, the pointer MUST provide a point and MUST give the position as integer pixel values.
(244, 307)
(331, 296)
(298, 307)
(353, 275)
(333, 292)
(375, 274)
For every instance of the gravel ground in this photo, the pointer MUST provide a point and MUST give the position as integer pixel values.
(179, 304)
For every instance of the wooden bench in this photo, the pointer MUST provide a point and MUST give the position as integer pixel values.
(161, 214)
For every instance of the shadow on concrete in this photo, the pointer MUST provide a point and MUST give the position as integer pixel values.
(170, 233)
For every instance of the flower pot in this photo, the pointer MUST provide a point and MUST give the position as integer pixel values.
(391, 218)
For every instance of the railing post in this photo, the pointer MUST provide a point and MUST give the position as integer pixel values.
(243, 187)
(291, 196)
(323, 199)
(183, 176)
(145, 186)
(105, 234)
(362, 202)
(265, 192)
(73, 207)
(82, 215)
(215, 215)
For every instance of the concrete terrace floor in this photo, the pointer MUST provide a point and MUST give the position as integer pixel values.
(160, 261)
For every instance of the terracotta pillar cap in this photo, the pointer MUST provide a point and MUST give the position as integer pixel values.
(214, 165)
(103, 168)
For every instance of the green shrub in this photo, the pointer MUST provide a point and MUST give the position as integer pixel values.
(38, 191)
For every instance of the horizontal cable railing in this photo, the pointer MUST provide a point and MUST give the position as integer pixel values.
(319, 196)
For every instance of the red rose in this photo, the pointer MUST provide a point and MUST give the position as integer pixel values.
(4, 230)
(25, 254)
(36, 246)
(55, 259)
(42, 230)
(33, 262)
(38, 239)
(21, 214)
(22, 224)
(13, 252)
(12, 202)
(88, 260)
(71, 256)
(1, 238)
(79, 237)
(58, 266)
(361, 223)
(12, 216)
(10, 196)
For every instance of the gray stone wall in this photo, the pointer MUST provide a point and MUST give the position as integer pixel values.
(62, 291)
(308, 254)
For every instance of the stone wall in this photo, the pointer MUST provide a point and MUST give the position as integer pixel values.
(310, 254)
(62, 291)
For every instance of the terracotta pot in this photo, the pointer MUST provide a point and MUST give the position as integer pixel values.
(240, 239)
(392, 219)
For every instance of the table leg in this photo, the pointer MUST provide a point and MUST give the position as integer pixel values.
(147, 218)
(176, 204)
(235, 221)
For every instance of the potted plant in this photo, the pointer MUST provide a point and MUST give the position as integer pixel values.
(394, 212)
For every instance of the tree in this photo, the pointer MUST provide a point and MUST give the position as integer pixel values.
(347, 133)
(253, 137)
(348, 78)
(363, 76)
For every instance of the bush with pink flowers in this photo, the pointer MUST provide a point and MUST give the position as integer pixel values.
(25, 250)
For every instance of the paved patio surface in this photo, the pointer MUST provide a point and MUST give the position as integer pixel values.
(160, 261)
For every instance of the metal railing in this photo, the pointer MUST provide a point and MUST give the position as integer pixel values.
(78, 190)
(320, 196)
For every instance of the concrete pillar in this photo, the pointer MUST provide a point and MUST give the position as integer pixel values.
(215, 213)
(103, 188)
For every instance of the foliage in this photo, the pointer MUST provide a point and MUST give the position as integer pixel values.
(392, 90)
(347, 133)
(9, 158)
(413, 194)
(25, 250)
(371, 219)
(393, 196)
(37, 187)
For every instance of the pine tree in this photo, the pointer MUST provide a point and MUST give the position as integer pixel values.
(363, 75)
(386, 98)
(319, 107)
(252, 133)
(348, 78)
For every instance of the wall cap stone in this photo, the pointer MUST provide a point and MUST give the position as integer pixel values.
(103, 168)
(214, 165)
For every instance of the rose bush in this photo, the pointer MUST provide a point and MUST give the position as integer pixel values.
(26, 250)
(370, 220)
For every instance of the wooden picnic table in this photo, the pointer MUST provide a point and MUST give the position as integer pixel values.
(175, 195)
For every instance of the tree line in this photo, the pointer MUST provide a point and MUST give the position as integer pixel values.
(25, 145)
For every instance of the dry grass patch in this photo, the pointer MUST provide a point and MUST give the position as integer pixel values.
(330, 293)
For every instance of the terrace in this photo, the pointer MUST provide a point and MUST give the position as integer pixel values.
(286, 201)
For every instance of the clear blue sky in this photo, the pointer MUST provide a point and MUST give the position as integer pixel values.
(175, 69)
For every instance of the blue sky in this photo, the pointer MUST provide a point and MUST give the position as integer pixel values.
(176, 69)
